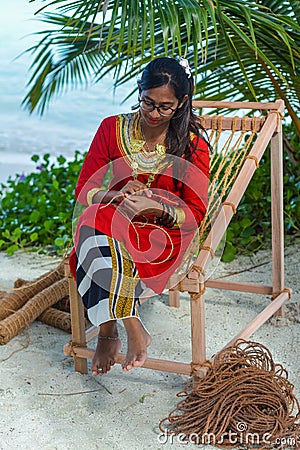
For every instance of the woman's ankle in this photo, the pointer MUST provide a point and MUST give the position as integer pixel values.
(109, 328)
(132, 324)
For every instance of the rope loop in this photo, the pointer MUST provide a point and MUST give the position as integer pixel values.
(279, 115)
(220, 124)
(234, 122)
(244, 124)
(73, 345)
(254, 158)
(197, 295)
(198, 269)
(287, 290)
(208, 249)
(179, 286)
(254, 122)
(230, 204)
(214, 123)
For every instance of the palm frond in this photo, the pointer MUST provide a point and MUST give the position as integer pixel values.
(228, 43)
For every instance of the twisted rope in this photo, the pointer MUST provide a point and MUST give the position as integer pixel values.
(10, 326)
(56, 318)
(243, 386)
(14, 300)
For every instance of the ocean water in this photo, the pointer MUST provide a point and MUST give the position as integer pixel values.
(71, 120)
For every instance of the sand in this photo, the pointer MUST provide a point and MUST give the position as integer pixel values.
(45, 405)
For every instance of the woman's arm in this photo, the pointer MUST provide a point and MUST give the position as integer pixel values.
(132, 187)
(96, 163)
(194, 192)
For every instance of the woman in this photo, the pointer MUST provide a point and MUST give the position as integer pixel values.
(133, 236)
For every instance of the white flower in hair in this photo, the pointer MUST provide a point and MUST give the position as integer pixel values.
(185, 64)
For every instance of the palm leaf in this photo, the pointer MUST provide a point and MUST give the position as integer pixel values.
(221, 38)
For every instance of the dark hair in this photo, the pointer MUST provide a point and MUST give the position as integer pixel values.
(162, 71)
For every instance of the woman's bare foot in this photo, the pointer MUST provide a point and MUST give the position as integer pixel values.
(138, 341)
(107, 349)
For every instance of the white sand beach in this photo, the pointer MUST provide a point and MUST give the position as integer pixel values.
(45, 405)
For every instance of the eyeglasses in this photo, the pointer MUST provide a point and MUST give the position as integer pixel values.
(164, 111)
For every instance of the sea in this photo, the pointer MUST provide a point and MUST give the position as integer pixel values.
(70, 121)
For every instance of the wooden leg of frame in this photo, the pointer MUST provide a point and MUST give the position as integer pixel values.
(78, 325)
(174, 299)
(277, 216)
(198, 331)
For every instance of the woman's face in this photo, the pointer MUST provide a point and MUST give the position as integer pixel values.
(162, 97)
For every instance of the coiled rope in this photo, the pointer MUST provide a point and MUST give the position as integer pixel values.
(245, 399)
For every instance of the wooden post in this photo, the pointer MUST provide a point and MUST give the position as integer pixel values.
(277, 213)
(261, 318)
(198, 328)
(77, 322)
(174, 299)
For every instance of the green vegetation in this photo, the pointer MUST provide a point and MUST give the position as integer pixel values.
(36, 209)
(250, 229)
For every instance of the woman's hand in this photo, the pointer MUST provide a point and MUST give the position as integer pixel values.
(134, 187)
(108, 196)
(137, 204)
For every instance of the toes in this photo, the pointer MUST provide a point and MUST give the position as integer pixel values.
(107, 367)
(95, 369)
(101, 370)
(136, 361)
(104, 357)
(127, 365)
(96, 372)
(140, 359)
(98, 369)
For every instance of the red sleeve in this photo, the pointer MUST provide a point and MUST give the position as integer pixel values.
(195, 186)
(97, 160)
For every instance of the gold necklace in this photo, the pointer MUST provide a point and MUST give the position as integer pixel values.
(142, 159)
(147, 162)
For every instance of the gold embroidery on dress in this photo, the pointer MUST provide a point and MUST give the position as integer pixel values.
(132, 147)
(124, 280)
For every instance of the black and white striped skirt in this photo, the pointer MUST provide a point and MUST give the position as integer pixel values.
(107, 278)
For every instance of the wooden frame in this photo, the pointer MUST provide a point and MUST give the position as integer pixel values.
(194, 282)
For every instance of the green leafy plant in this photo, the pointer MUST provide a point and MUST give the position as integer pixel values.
(250, 229)
(36, 209)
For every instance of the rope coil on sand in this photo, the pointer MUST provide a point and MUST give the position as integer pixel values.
(243, 386)
(14, 300)
(20, 319)
(45, 299)
(56, 318)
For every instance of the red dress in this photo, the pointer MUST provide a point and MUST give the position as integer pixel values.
(156, 251)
